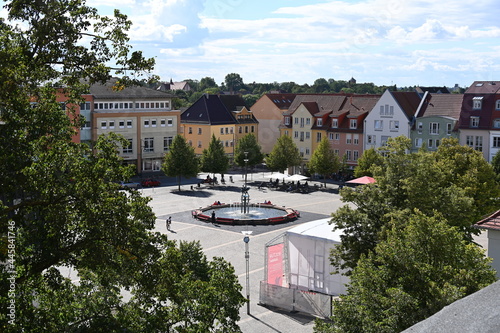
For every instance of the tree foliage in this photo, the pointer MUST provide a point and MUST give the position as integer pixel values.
(180, 160)
(324, 161)
(454, 181)
(233, 82)
(60, 203)
(248, 144)
(366, 162)
(214, 159)
(495, 162)
(285, 154)
(413, 273)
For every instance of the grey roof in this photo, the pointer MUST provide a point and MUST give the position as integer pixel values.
(323, 101)
(446, 105)
(105, 91)
(478, 312)
(483, 87)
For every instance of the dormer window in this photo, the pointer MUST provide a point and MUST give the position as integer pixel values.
(474, 121)
(319, 122)
(335, 123)
(287, 120)
(477, 103)
(497, 104)
(353, 124)
(496, 123)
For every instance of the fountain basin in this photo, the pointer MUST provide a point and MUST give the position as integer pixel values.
(258, 214)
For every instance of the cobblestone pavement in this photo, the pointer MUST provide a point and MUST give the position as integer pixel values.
(227, 241)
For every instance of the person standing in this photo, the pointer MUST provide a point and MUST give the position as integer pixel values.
(213, 217)
(169, 221)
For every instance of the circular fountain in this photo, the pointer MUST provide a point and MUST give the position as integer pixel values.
(245, 213)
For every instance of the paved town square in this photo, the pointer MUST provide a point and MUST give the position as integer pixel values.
(227, 241)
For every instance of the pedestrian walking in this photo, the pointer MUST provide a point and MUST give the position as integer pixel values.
(169, 221)
(213, 217)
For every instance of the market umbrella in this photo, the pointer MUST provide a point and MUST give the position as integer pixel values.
(362, 180)
(296, 177)
(278, 175)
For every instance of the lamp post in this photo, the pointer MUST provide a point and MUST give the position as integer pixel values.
(246, 239)
(246, 162)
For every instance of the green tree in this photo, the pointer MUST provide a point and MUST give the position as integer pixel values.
(454, 181)
(180, 160)
(369, 158)
(495, 162)
(321, 86)
(60, 199)
(207, 83)
(285, 154)
(214, 159)
(248, 144)
(233, 82)
(412, 274)
(324, 161)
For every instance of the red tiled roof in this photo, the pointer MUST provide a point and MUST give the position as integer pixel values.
(483, 87)
(448, 105)
(492, 222)
(408, 101)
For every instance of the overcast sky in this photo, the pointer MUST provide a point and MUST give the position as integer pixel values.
(419, 42)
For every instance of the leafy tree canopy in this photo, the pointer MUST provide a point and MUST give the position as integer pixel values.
(411, 274)
(180, 160)
(324, 161)
(248, 144)
(60, 201)
(454, 181)
(285, 154)
(214, 159)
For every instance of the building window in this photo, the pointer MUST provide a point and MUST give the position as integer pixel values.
(479, 143)
(231, 130)
(111, 124)
(337, 136)
(199, 144)
(199, 130)
(420, 127)
(319, 122)
(222, 130)
(153, 122)
(477, 103)
(474, 121)
(497, 104)
(240, 130)
(348, 154)
(355, 155)
(379, 125)
(496, 123)
(437, 143)
(252, 129)
(348, 139)
(318, 137)
(296, 121)
(129, 148)
(496, 142)
(330, 136)
(384, 140)
(170, 122)
(162, 122)
(418, 142)
(104, 124)
(308, 151)
(149, 145)
(353, 124)
(386, 110)
(301, 122)
(167, 141)
(355, 139)
(370, 139)
(85, 106)
(448, 128)
(434, 128)
(287, 120)
(246, 129)
(335, 123)
(296, 134)
(190, 142)
(146, 123)
(86, 125)
(394, 125)
(121, 124)
(190, 130)
(429, 144)
(129, 123)
(336, 152)
(301, 136)
(308, 135)
(470, 141)
(308, 121)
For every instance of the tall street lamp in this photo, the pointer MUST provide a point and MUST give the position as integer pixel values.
(246, 239)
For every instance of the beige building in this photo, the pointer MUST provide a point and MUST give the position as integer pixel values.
(141, 115)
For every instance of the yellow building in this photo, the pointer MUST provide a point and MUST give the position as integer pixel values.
(224, 116)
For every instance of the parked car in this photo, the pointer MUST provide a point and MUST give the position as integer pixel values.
(150, 182)
(125, 185)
